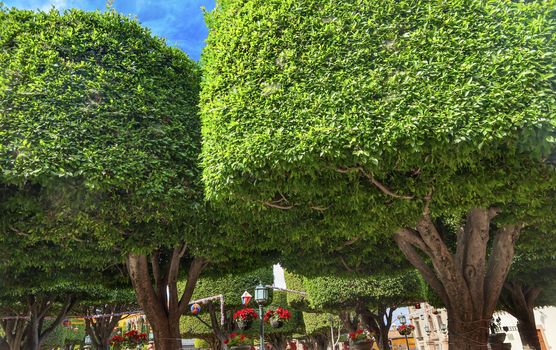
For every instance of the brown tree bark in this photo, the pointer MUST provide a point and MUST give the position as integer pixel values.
(14, 330)
(321, 342)
(221, 332)
(349, 321)
(35, 332)
(277, 341)
(378, 322)
(160, 300)
(519, 300)
(468, 283)
(100, 329)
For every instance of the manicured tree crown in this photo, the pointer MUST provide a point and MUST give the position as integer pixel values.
(95, 107)
(337, 109)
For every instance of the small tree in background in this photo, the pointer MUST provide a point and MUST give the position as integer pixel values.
(231, 286)
(531, 283)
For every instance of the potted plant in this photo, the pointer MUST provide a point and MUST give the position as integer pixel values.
(277, 317)
(360, 340)
(238, 342)
(406, 329)
(244, 318)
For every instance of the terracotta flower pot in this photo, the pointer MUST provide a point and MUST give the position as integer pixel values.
(276, 323)
(361, 345)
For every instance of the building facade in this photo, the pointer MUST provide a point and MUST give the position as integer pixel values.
(431, 327)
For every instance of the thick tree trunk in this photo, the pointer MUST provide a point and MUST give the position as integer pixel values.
(14, 329)
(277, 341)
(160, 302)
(221, 332)
(321, 342)
(214, 343)
(34, 332)
(349, 321)
(519, 300)
(467, 283)
(468, 336)
(378, 323)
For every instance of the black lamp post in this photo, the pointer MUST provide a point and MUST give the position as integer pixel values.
(261, 297)
(403, 321)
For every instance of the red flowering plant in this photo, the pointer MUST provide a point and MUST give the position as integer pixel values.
(358, 336)
(279, 314)
(245, 315)
(406, 329)
(237, 340)
(116, 340)
(130, 339)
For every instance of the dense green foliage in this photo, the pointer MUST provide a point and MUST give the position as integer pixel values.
(62, 335)
(535, 265)
(99, 120)
(307, 105)
(334, 293)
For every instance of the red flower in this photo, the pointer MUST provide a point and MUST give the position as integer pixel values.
(237, 340)
(357, 335)
(246, 315)
(280, 314)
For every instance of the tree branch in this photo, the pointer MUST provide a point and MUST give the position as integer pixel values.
(404, 241)
(499, 265)
(195, 269)
(345, 264)
(444, 264)
(146, 296)
(70, 302)
(277, 206)
(471, 254)
(375, 182)
(157, 275)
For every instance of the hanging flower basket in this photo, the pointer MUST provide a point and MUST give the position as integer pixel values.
(278, 317)
(360, 340)
(406, 329)
(244, 318)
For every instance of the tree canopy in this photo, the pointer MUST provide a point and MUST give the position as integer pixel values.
(101, 116)
(338, 120)
(333, 104)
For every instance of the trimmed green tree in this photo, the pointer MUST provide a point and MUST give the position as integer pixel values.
(373, 299)
(331, 120)
(103, 313)
(100, 117)
(531, 283)
(230, 285)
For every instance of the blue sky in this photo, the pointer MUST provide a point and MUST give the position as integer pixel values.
(180, 22)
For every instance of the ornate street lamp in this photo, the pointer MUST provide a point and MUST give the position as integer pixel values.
(261, 297)
(403, 320)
